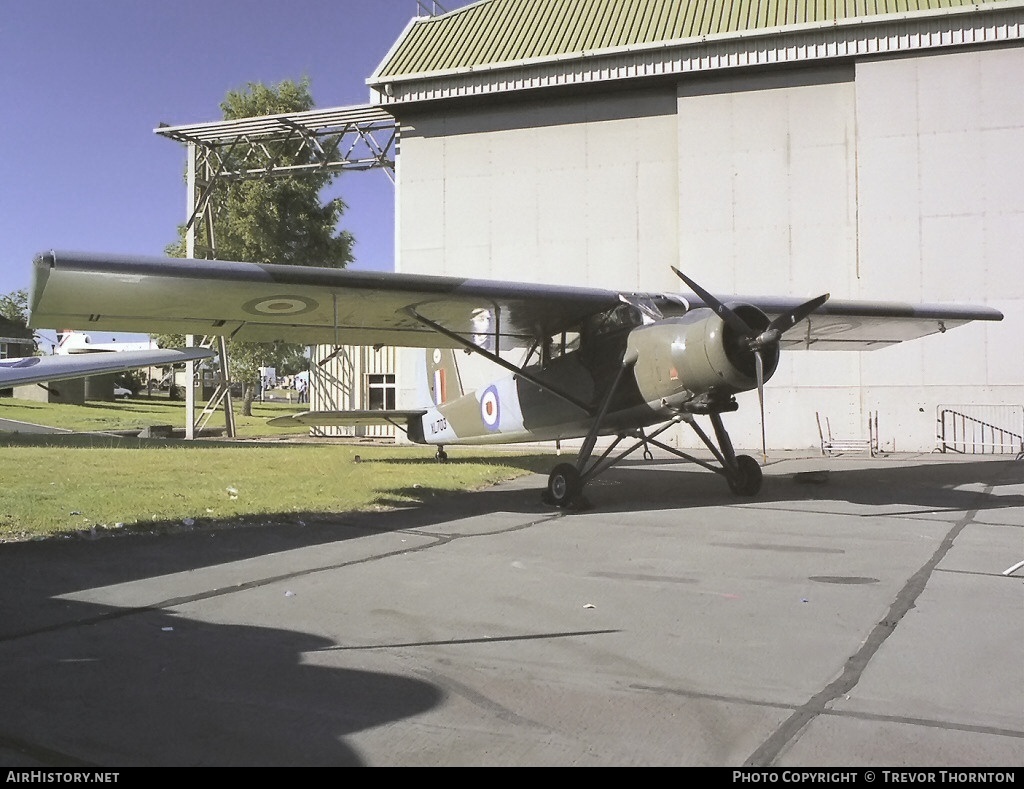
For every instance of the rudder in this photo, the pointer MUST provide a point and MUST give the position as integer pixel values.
(443, 380)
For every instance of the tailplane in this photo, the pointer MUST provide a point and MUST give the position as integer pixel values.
(438, 383)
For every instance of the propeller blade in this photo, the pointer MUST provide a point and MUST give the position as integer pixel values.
(773, 334)
(727, 315)
(759, 366)
(790, 319)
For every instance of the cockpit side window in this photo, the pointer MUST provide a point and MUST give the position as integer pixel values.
(619, 318)
(555, 347)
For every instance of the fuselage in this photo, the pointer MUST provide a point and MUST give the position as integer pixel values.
(680, 363)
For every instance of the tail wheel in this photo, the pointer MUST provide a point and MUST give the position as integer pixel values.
(746, 480)
(441, 456)
(564, 484)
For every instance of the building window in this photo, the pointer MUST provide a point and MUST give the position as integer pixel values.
(13, 348)
(380, 391)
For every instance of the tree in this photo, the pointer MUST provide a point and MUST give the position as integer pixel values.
(279, 219)
(14, 306)
(14, 310)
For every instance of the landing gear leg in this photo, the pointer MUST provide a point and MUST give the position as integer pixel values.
(742, 472)
(566, 481)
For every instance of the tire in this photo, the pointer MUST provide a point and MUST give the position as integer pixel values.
(748, 477)
(564, 485)
(441, 456)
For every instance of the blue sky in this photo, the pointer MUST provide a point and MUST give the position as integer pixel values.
(83, 83)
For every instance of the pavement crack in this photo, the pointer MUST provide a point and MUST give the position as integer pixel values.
(437, 539)
(786, 734)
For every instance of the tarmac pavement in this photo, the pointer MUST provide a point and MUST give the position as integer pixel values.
(861, 615)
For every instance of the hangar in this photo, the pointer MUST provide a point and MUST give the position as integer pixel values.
(869, 148)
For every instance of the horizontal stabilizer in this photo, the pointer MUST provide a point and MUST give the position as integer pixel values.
(39, 369)
(346, 418)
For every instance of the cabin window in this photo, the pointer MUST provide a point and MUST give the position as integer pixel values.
(380, 391)
(624, 316)
(563, 343)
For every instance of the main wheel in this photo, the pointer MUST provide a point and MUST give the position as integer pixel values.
(564, 484)
(441, 456)
(748, 477)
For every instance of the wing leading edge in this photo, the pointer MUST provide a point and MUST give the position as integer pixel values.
(39, 369)
(261, 302)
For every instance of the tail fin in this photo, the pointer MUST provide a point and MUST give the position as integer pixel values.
(443, 380)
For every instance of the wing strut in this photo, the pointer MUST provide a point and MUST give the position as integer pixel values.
(587, 409)
(588, 445)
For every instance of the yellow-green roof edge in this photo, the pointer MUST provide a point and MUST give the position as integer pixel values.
(495, 35)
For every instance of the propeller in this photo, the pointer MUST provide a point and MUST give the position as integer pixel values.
(758, 342)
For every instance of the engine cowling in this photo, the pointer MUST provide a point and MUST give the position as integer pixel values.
(681, 358)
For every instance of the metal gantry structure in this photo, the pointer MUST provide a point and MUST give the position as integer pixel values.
(363, 137)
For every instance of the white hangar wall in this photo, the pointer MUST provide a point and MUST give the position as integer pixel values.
(891, 178)
(941, 218)
(768, 191)
(579, 190)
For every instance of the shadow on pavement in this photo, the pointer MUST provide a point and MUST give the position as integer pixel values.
(150, 686)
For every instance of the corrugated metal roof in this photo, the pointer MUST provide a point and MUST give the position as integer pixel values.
(496, 32)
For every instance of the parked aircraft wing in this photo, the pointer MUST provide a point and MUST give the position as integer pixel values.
(262, 302)
(36, 369)
(841, 325)
(346, 418)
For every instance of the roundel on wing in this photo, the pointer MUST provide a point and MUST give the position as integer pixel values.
(834, 328)
(280, 305)
(489, 408)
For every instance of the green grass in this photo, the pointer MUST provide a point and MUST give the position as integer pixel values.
(66, 483)
(140, 412)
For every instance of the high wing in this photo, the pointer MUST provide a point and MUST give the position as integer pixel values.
(261, 302)
(258, 302)
(37, 369)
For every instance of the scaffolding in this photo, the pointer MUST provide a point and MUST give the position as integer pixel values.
(363, 137)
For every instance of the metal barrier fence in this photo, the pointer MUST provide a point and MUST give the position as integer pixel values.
(980, 429)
